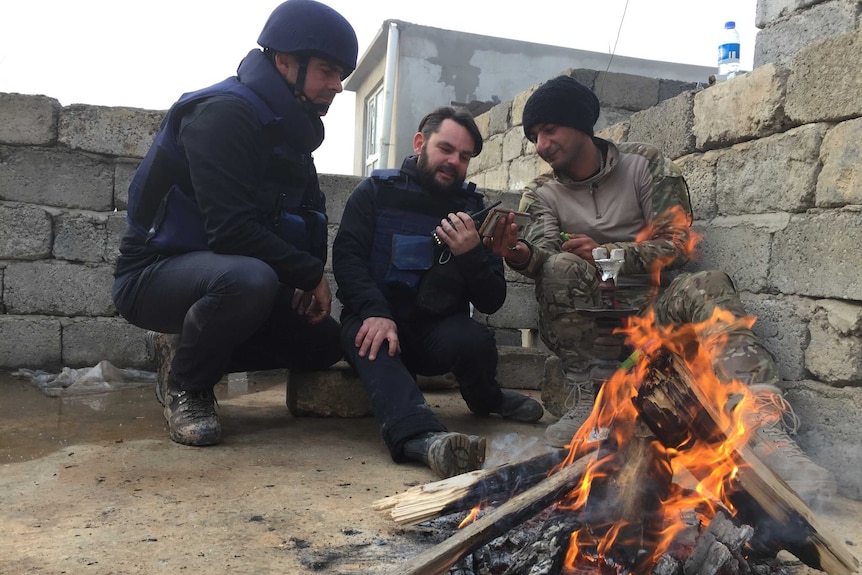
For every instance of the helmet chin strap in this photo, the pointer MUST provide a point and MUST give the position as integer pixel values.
(298, 91)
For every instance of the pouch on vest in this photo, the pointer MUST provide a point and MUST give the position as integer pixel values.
(411, 257)
(442, 290)
(178, 226)
(305, 231)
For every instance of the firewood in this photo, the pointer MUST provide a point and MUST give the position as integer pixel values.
(467, 490)
(674, 406)
(627, 490)
(439, 558)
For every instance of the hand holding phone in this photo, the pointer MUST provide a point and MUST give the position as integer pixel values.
(486, 230)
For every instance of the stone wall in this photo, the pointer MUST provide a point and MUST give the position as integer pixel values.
(774, 162)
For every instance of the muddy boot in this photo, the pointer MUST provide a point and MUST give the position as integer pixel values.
(161, 348)
(774, 446)
(447, 454)
(192, 418)
(518, 407)
(579, 405)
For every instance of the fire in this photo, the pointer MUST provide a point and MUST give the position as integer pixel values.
(707, 468)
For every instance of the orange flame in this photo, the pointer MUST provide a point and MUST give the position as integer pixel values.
(709, 466)
(471, 517)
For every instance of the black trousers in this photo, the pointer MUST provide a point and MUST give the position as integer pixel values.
(232, 314)
(456, 344)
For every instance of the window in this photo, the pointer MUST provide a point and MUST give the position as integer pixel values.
(373, 125)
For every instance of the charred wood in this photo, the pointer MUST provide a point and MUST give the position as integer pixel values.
(676, 409)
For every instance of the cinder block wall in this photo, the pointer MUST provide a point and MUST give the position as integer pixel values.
(774, 162)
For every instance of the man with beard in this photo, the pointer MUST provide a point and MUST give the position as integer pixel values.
(408, 262)
(226, 237)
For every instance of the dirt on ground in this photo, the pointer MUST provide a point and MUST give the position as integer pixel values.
(93, 485)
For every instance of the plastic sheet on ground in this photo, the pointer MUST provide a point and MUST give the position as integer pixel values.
(102, 378)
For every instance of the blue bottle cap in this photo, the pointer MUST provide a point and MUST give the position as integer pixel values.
(729, 25)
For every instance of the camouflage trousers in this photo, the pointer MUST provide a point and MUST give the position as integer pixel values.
(567, 283)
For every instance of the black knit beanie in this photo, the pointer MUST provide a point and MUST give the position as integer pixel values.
(563, 101)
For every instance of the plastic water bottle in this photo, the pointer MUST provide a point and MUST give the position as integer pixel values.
(728, 52)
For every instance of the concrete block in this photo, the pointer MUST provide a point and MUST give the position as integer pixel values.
(782, 40)
(495, 178)
(774, 174)
(124, 171)
(483, 122)
(555, 391)
(59, 288)
(115, 226)
(521, 367)
(524, 170)
(25, 232)
(831, 430)
(28, 120)
(667, 126)
(610, 117)
(115, 131)
(834, 354)
(30, 341)
(516, 114)
(840, 180)
(56, 178)
(699, 172)
(491, 156)
(668, 89)
(337, 189)
(626, 91)
(769, 10)
(498, 118)
(335, 392)
(514, 144)
(740, 246)
(746, 107)
(618, 132)
(816, 256)
(80, 236)
(782, 326)
(520, 310)
(822, 85)
(87, 341)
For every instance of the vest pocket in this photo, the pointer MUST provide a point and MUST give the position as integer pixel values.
(178, 226)
(411, 257)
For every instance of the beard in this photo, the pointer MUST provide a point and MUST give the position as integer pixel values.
(428, 181)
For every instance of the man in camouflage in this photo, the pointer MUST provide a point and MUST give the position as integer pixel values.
(629, 197)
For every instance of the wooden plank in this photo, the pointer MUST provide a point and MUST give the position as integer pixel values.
(440, 558)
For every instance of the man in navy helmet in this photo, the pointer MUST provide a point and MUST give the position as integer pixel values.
(226, 238)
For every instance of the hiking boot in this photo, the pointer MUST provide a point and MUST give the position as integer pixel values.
(447, 454)
(518, 407)
(161, 348)
(192, 418)
(773, 445)
(579, 406)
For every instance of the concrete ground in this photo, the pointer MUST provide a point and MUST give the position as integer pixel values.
(94, 485)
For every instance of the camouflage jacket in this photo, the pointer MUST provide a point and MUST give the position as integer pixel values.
(629, 197)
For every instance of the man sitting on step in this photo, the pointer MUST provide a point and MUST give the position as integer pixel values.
(409, 263)
(604, 194)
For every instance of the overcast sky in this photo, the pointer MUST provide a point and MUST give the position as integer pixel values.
(145, 54)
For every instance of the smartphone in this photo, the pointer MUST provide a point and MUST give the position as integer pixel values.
(487, 227)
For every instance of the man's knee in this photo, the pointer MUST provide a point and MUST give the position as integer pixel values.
(567, 281)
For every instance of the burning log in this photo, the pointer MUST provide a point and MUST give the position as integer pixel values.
(468, 490)
(440, 558)
(623, 500)
(674, 406)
